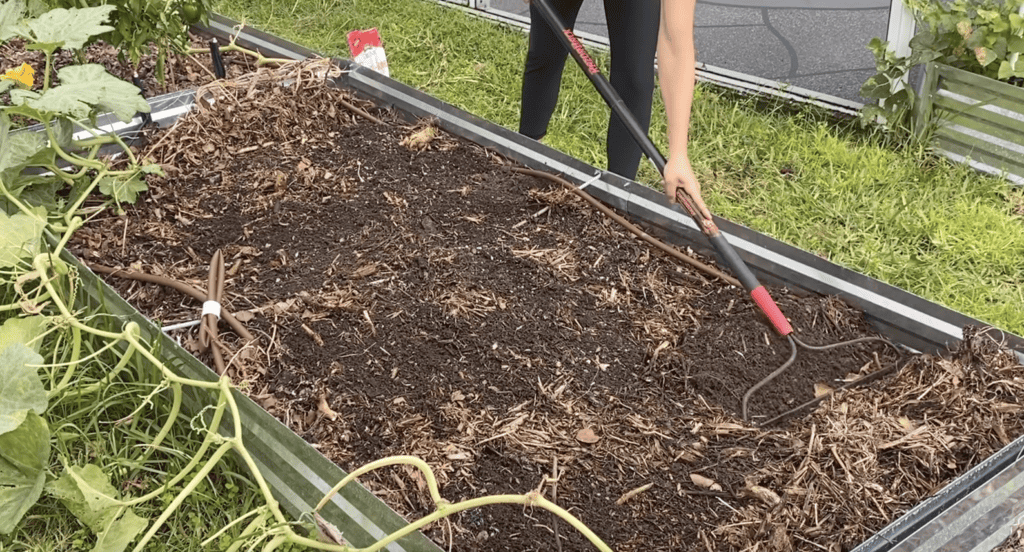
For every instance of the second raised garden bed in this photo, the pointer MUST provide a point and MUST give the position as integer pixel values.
(414, 295)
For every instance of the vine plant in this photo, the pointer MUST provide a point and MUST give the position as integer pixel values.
(981, 36)
(46, 178)
(136, 25)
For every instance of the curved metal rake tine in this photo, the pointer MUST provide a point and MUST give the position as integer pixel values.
(794, 342)
(773, 375)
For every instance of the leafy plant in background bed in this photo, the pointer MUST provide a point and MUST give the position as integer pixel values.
(984, 37)
(90, 417)
(138, 24)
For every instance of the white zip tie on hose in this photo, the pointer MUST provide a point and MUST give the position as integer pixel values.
(211, 307)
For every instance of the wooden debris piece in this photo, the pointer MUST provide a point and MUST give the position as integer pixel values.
(622, 499)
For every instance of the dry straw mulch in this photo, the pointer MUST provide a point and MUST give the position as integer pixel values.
(869, 454)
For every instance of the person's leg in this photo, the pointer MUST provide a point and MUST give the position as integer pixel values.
(543, 75)
(633, 35)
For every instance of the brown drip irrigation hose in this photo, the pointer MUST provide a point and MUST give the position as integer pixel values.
(208, 325)
(632, 227)
(180, 286)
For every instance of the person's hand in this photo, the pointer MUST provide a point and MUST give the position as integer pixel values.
(679, 175)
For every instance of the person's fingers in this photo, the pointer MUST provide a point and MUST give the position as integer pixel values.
(693, 193)
(703, 208)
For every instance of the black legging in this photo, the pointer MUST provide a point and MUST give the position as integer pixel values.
(633, 34)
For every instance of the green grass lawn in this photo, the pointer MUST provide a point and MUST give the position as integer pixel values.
(922, 224)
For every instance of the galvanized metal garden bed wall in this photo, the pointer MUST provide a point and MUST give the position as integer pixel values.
(980, 505)
(978, 120)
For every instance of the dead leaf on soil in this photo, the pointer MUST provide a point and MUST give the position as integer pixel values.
(325, 409)
(454, 453)
(282, 307)
(704, 483)
(416, 476)
(266, 401)
(249, 251)
(244, 316)
(421, 139)
(765, 494)
(726, 428)
(364, 271)
(327, 532)
(820, 390)
(587, 435)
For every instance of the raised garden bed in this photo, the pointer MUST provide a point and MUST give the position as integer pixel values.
(977, 119)
(181, 71)
(415, 303)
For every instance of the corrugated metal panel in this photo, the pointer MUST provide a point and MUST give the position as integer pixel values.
(977, 120)
(975, 513)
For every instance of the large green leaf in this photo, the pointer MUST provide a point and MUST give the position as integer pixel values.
(25, 149)
(20, 149)
(123, 190)
(84, 87)
(11, 12)
(63, 131)
(70, 28)
(39, 192)
(87, 493)
(120, 533)
(18, 493)
(22, 330)
(21, 389)
(20, 235)
(27, 447)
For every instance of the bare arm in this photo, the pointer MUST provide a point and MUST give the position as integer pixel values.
(677, 71)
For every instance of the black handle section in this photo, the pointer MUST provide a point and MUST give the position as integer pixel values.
(611, 97)
(732, 258)
(218, 60)
(137, 81)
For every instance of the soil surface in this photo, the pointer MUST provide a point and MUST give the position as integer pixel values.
(181, 72)
(413, 295)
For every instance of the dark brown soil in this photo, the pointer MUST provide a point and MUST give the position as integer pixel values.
(428, 301)
(181, 72)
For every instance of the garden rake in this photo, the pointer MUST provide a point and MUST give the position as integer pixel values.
(707, 226)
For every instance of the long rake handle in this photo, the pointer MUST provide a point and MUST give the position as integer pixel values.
(743, 273)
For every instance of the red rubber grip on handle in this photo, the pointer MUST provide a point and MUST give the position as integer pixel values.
(768, 306)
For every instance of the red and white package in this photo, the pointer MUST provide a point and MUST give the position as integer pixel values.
(367, 50)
